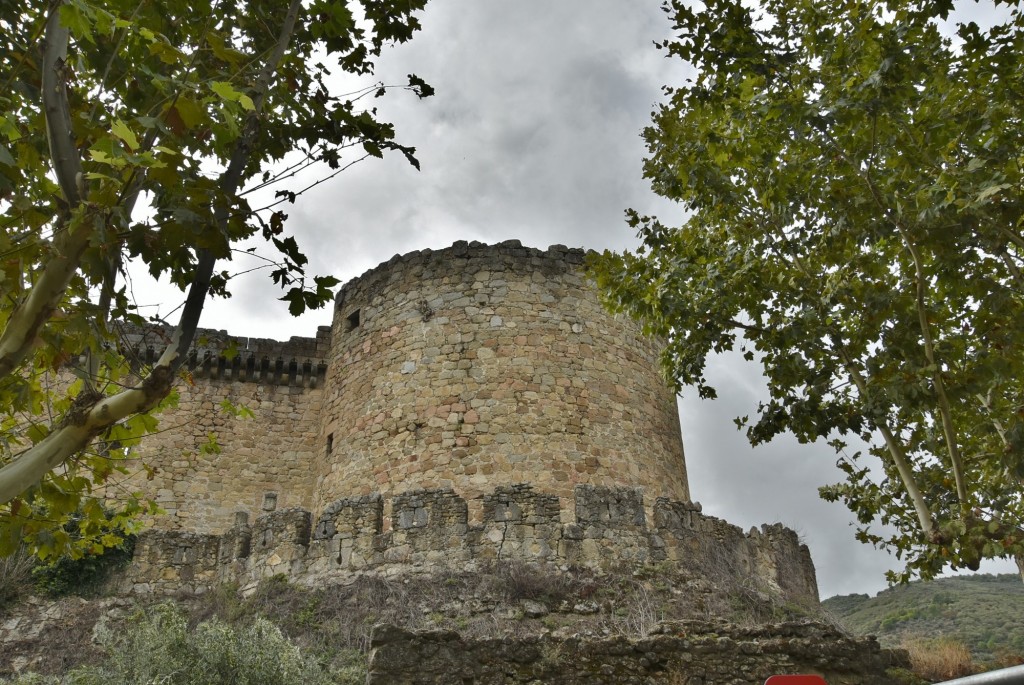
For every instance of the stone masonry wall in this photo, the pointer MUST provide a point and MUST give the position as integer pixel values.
(478, 366)
(431, 532)
(264, 461)
(687, 652)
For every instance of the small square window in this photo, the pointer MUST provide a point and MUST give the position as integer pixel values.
(352, 321)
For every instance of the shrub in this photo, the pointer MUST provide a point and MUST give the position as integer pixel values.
(535, 581)
(939, 659)
(83, 577)
(159, 648)
(162, 649)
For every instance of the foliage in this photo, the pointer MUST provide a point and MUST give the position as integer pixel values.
(982, 611)
(83, 576)
(160, 648)
(147, 131)
(852, 183)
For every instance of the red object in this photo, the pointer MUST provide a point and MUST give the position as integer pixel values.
(795, 680)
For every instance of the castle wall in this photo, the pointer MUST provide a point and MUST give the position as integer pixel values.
(679, 652)
(479, 366)
(468, 406)
(271, 452)
(431, 532)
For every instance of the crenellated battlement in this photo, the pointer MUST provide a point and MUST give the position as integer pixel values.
(430, 530)
(218, 356)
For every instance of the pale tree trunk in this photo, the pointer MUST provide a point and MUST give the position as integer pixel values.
(84, 422)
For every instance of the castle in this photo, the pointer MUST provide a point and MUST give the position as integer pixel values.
(466, 406)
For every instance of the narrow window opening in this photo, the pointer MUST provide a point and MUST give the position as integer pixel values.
(352, 321)
(330, 444)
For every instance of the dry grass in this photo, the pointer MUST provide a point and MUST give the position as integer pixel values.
(939, 659)
(639, 610)
(1005, 658)
(15, 577)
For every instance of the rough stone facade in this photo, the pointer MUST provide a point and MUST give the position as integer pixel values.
(467, 405)
(272, 453)
(686, 653)
(431, 532)
(478, 366)
(51, 636)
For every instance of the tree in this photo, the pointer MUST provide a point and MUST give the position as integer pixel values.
(853, 187)
(140, 129)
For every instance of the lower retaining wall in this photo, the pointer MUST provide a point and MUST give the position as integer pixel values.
(685, 653)
(430, 531)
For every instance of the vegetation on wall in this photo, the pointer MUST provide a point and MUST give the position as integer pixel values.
(83, 576)
(143, 131)
(159, 647)
(852, 186)
(333, 625)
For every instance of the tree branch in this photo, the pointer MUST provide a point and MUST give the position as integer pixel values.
(181, 339)
(945, 413)
(67, 165)
(72, 237)
(82, 424)
(1012, 237)
(899, 458)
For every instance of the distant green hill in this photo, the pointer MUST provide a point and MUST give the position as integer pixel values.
(984, 611)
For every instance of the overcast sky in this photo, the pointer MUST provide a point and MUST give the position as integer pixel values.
(534, 134)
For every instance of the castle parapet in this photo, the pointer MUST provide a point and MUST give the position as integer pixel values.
(347, 535)
(297, 362)
(175, 561)
(520, 523)
(430, 531)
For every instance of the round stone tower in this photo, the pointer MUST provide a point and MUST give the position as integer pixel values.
(478, 366)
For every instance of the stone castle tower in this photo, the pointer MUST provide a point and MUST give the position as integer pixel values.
(466, 406)
(465, 368)
(479, 366)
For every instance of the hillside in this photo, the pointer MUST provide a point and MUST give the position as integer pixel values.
(983, 611)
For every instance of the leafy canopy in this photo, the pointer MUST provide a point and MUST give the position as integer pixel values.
(852, 182)
(142, 130)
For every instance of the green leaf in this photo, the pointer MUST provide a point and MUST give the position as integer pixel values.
(37, 432)
(121, 130)
(991, 191)
(74, 16)
(228, 93)
(191, 112)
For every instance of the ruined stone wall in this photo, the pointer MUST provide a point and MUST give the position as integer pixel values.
(478, 366)
(264, 460)
(686, 652)
(431, 532)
